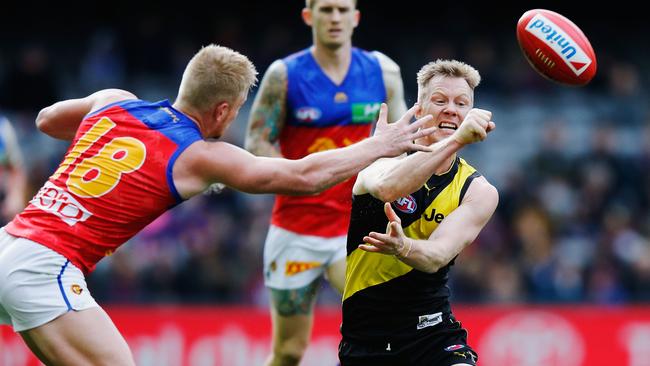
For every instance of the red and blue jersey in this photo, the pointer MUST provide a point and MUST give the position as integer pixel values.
(322, 115)
(115, 179)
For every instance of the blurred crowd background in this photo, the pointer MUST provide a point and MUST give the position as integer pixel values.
(572, 164)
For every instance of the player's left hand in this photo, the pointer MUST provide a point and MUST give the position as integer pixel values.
(393, 242)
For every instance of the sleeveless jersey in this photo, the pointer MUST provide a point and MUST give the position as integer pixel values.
(114, 180)
(321, 116)
(384, 298)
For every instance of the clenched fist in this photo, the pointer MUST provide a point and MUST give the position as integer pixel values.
(475, 127)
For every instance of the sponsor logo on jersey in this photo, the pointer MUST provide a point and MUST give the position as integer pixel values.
(294, 267)
(429, 320)
(365, 112)
(406, 204)
(454, 347)
(433, 216)
(76, 289)
(466, 355)
(57, 201)
(565, 46)
(340, 97)
(171, 114)
(308, 114)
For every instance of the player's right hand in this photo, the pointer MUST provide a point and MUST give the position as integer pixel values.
(399, 137)
(475, 127)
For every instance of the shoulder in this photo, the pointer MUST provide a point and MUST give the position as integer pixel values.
(276, 73)
(277, 68)
(386, 63)
(482, 191)
(105, 97)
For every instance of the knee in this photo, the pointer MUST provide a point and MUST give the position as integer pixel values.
(287, 359)
(289, 352)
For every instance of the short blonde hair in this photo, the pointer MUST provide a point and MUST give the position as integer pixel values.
(310, 3)
(216, 74)
(449, 68)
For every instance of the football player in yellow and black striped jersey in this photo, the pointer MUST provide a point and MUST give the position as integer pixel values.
(411, 216)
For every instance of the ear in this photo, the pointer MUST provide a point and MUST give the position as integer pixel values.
(306, 16)
(357, 17)
(221, 111)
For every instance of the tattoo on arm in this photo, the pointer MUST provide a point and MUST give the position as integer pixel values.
(268, 112)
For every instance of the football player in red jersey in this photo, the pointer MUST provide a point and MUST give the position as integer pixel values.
(129, 161)
(319, 98)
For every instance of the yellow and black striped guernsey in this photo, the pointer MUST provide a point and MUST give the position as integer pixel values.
(385, 299)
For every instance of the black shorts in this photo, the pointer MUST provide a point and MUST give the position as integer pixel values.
(443, 345)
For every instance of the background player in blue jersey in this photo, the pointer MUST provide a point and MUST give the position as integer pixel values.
(12, 172)
(320, 98)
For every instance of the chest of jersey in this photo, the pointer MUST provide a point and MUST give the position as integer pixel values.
(314, 100)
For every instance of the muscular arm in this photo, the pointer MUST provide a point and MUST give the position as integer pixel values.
(384, 179)
(204, 163)
(61, 119)
(457, 231)
(394, 86)
(268, 113)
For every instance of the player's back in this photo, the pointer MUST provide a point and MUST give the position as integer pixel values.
(115, 179)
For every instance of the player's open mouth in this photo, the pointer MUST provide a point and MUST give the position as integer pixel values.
(447, 125)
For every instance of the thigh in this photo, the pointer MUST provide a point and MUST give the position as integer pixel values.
(39, 285)
(356, 354)
(336, 274)
(294, 330)
(86, 337)
(296, 301)
(292, 315)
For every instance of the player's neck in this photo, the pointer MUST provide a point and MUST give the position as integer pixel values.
(445, 167)
(333, 61)
(189, 113)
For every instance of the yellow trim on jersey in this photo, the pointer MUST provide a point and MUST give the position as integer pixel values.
(365, 269)
(371, 269)
(444, 203)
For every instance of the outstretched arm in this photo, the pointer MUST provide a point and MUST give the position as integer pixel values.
(268, 112)
(457, 231)
(204, 163)
(61, 119)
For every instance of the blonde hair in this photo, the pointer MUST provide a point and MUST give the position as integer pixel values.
(310, 3)
(449, 68)
(216, 74)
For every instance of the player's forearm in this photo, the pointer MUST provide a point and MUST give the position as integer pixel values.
(327, 168)
(418, 167)
(428, 255)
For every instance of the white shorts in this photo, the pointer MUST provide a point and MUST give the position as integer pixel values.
(294, 261)
(37, 284)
